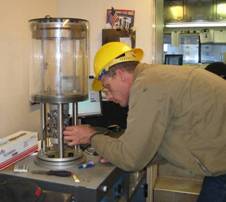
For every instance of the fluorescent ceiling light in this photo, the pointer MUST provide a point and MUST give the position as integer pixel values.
(196, 24)
(221, 9)
(176, 12)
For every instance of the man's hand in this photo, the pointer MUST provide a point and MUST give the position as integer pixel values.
(103, 160)
(80, 134)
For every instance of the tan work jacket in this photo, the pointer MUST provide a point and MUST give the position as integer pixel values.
(176, 112)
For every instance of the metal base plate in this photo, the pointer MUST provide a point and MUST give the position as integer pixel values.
(59, 164)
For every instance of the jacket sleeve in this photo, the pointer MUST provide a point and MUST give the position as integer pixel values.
(149, 112)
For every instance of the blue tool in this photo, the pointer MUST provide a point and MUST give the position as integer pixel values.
(89, 164)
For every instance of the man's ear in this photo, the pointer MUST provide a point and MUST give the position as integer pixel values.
(121, 74)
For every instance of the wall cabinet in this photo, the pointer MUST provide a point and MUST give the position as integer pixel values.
(194, 10)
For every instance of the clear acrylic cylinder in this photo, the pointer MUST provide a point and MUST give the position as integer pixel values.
(59, 70)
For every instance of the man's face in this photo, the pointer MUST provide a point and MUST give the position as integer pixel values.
(116, 88)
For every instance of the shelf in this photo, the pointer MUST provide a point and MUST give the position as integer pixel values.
(196, 24)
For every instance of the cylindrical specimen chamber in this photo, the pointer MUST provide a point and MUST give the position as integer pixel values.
(58, 78)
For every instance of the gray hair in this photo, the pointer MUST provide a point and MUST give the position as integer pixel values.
(127, 66)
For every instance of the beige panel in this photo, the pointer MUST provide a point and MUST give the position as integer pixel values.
(162, 196)
(174, 184)
(178, 184)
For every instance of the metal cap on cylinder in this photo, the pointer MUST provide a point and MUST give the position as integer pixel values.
(48, 27)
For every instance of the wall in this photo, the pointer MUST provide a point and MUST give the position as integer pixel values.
(95, 12)
(15, 111)
(15, 40)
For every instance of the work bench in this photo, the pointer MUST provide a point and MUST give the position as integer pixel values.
(101, 183)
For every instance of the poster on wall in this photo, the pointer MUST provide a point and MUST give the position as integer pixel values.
(120, 18)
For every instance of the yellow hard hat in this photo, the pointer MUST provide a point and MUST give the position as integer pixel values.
(108, 55)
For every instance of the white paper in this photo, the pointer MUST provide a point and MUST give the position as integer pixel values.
(126, 40)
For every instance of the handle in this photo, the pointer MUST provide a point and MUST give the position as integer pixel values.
(60, 173)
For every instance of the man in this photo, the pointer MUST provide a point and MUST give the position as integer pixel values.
(177, 113)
